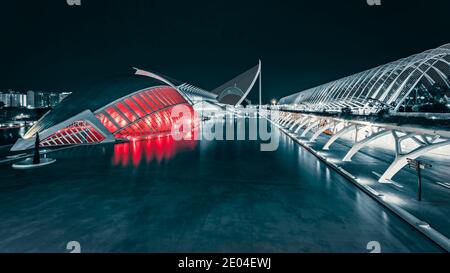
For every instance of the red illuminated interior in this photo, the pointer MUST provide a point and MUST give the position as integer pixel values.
(143, 114)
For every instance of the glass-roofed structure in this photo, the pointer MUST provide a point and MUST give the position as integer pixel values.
(129, 107)
(401, 85)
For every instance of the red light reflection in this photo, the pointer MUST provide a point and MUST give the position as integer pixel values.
(162, 147)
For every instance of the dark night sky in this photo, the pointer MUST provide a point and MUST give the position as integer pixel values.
(48, 45)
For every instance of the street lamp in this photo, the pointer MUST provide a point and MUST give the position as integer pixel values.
(418, 166)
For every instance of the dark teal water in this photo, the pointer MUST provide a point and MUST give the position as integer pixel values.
(193, 196)
(10, 135)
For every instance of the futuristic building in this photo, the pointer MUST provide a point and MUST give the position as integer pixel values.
(394, 86)
(125, 108)
(410, 83)
(235, 91)
(131, 107)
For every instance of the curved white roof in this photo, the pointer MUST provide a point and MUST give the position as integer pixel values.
(388, 84)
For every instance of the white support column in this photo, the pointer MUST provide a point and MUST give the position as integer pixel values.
(401, 160)
(286, 122)
(298, 122)
(287, 117)
(306, 121)
(309, 128)
(291, 123)
(337, 135)
(284, 118)
(293, 119)
(295, 123)
(290, 120)
(321, 130)
(279, 117)
(398, 139)
(274, 115)
(359, 145)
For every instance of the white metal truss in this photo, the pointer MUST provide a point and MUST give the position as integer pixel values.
(427, 139)
(388, 84)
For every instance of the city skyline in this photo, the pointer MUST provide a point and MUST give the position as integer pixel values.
(32, 98)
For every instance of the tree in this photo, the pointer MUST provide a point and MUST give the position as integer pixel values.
(2, 104)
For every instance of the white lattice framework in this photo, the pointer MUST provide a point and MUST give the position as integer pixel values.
(310, 126)
(371, 90)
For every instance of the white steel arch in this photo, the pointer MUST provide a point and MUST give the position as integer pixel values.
(388, 84)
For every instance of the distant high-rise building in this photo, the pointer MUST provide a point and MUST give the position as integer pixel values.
(4, 98)
(40, 100)
(53, 99)
(13, 98)
(31, 99)
(23, 100)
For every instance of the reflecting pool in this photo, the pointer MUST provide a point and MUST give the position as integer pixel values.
(162, 195)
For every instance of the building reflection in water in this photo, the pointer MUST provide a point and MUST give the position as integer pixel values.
(157, 148)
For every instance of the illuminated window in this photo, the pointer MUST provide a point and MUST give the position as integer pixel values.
(150, 102)
(127, 112)
(135, 108)
(116, 117)
(107, 123)
(142, 104)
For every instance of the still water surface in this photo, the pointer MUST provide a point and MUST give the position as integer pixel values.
(163, 195)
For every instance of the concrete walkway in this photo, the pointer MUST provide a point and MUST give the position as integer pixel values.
(368, 163)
